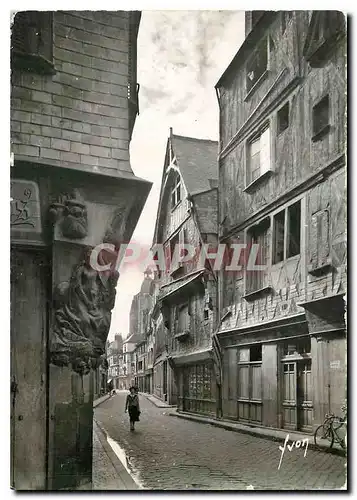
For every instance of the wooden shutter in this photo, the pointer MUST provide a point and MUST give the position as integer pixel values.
(254, 160)
(168, 257)
(265, 152)
(319, 239)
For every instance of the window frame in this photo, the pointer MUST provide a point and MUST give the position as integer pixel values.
(262, 227)
(279, 130)
(285, 209)
(324, 129)
(267, 170)
(177, 188)
(249, 90)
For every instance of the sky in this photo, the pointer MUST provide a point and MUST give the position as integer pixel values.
(181, 56)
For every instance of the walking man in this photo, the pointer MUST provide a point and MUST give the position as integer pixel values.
(132, 405)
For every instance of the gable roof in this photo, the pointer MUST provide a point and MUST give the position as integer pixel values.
(197, 160)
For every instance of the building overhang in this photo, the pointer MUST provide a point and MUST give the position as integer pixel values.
(192, 357)
(176, 291)
(326, 314)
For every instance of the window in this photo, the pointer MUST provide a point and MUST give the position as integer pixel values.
(286, 233)
(176, 191)
(283, 118)
(257, 66)
(297, 347)
(31, 42)
(182, 318)
(259, 157)
(258, 235)
(321, 118)
(140, 365)
(206, 314)
(177, 251)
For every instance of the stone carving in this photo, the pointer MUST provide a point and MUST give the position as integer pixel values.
(25, 206)
(82, 316)
(71, 213)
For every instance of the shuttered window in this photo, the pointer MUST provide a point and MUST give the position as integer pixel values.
(319, 239)
(287, 233)
(259, 157)
(258, 236)
(257, 65)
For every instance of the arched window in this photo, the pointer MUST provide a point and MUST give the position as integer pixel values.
(176, 191)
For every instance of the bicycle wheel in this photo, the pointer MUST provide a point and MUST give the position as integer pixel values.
(323, 437)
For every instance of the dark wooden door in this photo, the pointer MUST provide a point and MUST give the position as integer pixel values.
(28, 371)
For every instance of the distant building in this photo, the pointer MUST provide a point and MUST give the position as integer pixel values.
(140, 325)
(115, 361)
(129, 360)
(184, 313)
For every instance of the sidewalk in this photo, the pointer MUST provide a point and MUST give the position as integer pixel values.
(108, 473)
(156, 401)
(264, 432)
(100, 400)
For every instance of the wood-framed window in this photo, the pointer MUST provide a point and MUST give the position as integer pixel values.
(283, 118)
(199, 389)
(176, 248)
(176, 191)
(250, 383)
(257, 66)
(182, 318)
(321, 118)
(259, 161)
(32, 42)
(258, 235)
(287, 233)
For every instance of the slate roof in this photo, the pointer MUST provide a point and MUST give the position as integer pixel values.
(197, 161)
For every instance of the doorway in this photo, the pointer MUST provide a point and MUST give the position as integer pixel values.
(297, 387)
(28, 371)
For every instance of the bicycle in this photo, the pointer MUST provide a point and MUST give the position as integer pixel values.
(329, 430)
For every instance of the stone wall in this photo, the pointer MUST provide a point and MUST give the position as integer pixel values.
(77, 117)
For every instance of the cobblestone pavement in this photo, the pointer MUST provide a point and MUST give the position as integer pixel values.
(168, 453)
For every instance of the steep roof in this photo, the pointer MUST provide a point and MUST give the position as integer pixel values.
(197, 161)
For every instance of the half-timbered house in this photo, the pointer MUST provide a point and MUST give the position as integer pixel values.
(282, 186)
(185, 305)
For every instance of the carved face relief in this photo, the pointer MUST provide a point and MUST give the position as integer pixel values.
(70, 212)
(74, 223)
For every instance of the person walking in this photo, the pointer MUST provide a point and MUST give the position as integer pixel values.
(133, 406)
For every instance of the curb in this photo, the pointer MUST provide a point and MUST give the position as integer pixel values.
(252, 431)
(156, 401)
(123, 474)
(101, 400)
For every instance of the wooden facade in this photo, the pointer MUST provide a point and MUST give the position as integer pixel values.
(185, 306)
(282, 186)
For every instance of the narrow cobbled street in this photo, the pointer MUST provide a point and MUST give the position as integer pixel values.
(169, 453)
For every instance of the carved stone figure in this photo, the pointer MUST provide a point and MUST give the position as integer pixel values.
(71, 213)
(82, 316)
